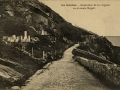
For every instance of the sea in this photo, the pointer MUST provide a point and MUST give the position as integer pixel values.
(115, 40)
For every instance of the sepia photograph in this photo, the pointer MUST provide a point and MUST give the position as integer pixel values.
(59, 45)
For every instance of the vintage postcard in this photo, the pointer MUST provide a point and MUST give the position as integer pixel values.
(59, 45)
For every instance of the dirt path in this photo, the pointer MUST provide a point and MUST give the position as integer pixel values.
(64, 74)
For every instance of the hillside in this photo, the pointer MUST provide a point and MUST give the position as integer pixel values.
(101, 47)
(31, 35)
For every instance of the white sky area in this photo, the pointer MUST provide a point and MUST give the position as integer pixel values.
(104, 21)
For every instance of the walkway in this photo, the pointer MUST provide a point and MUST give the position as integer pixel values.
(64, 74)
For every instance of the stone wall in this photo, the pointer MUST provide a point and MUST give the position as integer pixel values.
(110, 72)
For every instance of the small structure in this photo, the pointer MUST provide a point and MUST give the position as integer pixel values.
(16, 39)
(26, 37)
(44, 32)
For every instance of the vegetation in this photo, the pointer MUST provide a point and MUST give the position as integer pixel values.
(17, 16)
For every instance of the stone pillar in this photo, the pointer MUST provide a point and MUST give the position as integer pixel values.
(42, 32)
(25, 35)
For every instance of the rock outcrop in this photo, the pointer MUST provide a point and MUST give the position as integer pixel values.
(101, 47)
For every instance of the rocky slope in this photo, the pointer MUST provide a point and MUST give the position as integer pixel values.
(101, 47)
(48, 32)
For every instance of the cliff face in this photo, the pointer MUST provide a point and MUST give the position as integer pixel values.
(27, 13)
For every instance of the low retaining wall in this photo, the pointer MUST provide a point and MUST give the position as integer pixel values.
(88, 55)
(110, 72)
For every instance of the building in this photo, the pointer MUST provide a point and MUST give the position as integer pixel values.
(25, 38)
(16, 39)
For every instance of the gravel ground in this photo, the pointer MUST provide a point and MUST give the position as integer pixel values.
(64, 74)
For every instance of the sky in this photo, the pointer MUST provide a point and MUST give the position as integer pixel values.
(102, 20)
